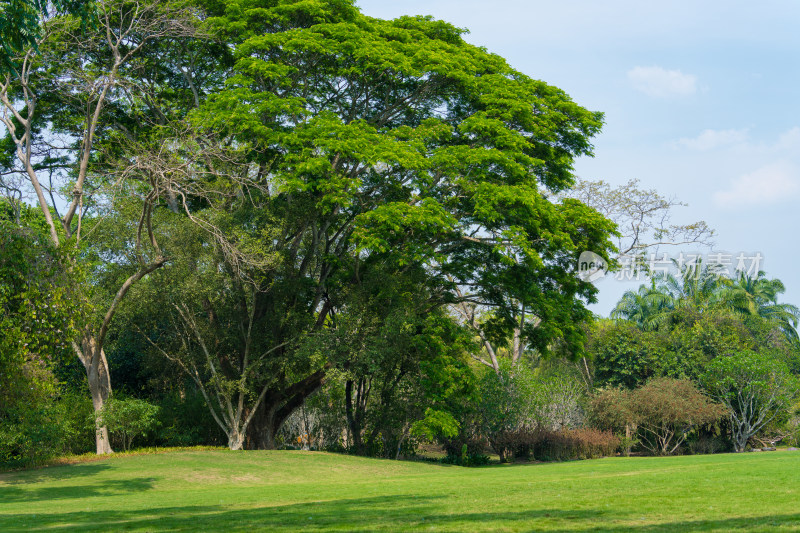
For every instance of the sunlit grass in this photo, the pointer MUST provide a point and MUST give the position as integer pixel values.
(291, 490)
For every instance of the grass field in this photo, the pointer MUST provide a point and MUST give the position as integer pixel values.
(290, 491)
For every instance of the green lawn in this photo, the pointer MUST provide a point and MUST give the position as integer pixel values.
(287, 491)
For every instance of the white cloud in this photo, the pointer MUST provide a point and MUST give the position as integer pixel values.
(661, 83)
(790, 140)
(712, 139)
(769, 184)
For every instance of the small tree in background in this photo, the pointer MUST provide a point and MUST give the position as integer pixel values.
(662, 412)
(612, 409)
(128, 419)
(755, 388)
(560, 396)
(668, 409)
(508, 403)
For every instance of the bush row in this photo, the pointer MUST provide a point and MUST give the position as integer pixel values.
(560, 445)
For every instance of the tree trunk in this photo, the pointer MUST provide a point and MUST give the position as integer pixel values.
(99, 387)
(353, 418)
(263, 429)
(276, 408)
(235, 440)
(740, 436)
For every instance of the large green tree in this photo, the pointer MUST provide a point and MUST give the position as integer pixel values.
(374, 143)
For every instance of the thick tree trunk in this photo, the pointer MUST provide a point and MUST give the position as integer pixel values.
(740, 436)
(264, 427)
(235, 440)
(276, 408)
(99, 379)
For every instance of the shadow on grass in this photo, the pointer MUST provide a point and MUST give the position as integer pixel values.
(387, 513)
(51, 473)
(13, 494)
(17, 486)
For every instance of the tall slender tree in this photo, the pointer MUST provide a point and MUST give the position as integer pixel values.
(67, 104)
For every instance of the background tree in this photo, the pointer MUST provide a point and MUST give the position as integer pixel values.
(667, 409)
(643, 219)
(758, 296)
(623, 355)
(21, 24)
(696, 288)
(66, 97)
(755, 388)
(663, 411)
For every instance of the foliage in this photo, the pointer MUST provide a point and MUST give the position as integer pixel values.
(507, 404)
(664, 411)
(755, 388)
(623, 355)
(581, 443)
(613, 408)
(560, 395)
(667, 409)
(128, 418)
(37, 300)
(436, 424)
(757, 296)
(520, 399)
(679, 326)
(466, 457)
(21, 24)
(703, 289)
(555, 445)
(39, 422)
(37, 303)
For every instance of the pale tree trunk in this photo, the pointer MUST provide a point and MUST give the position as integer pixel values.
(235, 440)
(94, 361)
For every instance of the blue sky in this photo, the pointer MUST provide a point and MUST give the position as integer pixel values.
(701, 103)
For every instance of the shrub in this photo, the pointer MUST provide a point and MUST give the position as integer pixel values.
(706, 444)
(583, 443)
(36, 423)
(559, 445)
(612, 409)
(559, 396)
(128, 419)
(517, 443)
(466, 458)
(661, 413)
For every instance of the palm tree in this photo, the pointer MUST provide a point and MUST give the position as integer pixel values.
(758, 296)
(646, 307)
(655, 305)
